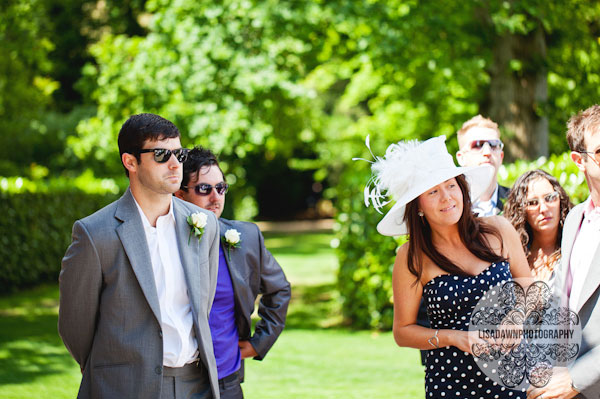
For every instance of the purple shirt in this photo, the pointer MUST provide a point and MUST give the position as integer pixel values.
(222, 323)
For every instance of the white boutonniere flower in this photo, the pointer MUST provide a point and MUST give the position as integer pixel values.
(197, 222)
(233, 238)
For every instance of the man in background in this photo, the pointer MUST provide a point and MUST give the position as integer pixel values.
(479, 143)
(246, 269)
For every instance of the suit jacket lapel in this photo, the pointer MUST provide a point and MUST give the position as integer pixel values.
(230, 256)
(502, 194)
(592, 281)
(189, 254)
(235, 263)
(569, 232)
(132, 236)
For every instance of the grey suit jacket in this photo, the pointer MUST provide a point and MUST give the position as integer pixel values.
(109, 315)
(254, 271)
(585, 371)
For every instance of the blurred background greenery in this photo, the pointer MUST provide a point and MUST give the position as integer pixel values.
(286, 92)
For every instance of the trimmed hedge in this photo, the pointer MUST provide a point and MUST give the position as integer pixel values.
(366, 258)
(35, 231)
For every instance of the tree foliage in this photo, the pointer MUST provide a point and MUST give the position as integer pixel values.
(422, 68)
(45, 45)
(227, 74)
(24, 82)
(297, 80)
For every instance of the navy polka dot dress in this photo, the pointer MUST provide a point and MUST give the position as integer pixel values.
(450, 300)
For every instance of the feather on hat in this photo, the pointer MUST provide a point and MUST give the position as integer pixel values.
(410, 168)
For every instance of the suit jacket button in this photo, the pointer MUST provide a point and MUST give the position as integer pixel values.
(158, 370)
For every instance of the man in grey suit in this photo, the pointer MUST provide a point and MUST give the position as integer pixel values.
(135, 288)
(246, 269)
(578, 276)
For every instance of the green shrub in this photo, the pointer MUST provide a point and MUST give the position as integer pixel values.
(36, 223)
(558, 165)
(366, 257)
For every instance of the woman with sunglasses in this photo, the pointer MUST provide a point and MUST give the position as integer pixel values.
(537, 206)
(451, 260)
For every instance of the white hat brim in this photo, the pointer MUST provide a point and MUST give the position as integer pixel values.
(478, 177)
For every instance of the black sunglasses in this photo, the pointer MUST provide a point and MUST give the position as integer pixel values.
(162, 155)
(495, 145)
(204, 189)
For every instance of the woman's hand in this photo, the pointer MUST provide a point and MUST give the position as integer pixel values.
(468, 341)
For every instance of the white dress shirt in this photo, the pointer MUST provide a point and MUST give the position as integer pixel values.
(179, 342)
(487, 208)
(584, 248)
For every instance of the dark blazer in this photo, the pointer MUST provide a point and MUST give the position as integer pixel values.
(109, 315)
(254, 271)
(584, 370)
(502, 195)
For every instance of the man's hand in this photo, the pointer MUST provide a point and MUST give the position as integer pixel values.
(559, 387)
(246, 349)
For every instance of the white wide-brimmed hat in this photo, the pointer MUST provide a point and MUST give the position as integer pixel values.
(410, 168)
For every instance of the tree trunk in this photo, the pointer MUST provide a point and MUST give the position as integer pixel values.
(518, 92)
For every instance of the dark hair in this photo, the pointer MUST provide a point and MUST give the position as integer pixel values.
(472, 233)
(143, 127)
(198, 158)
(515, 207)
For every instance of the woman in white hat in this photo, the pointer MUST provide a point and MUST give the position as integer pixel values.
(451, 259)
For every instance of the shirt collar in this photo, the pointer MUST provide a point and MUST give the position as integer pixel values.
(170, 215)
(590, 210)
(493, 200)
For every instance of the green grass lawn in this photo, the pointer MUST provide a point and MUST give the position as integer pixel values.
(335, 363)
(307, 259)
(33, 360)
(313, 358)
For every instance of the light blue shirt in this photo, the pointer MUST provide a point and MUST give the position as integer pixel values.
(487, 208)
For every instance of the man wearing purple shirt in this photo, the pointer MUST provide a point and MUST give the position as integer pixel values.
(246, 269)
